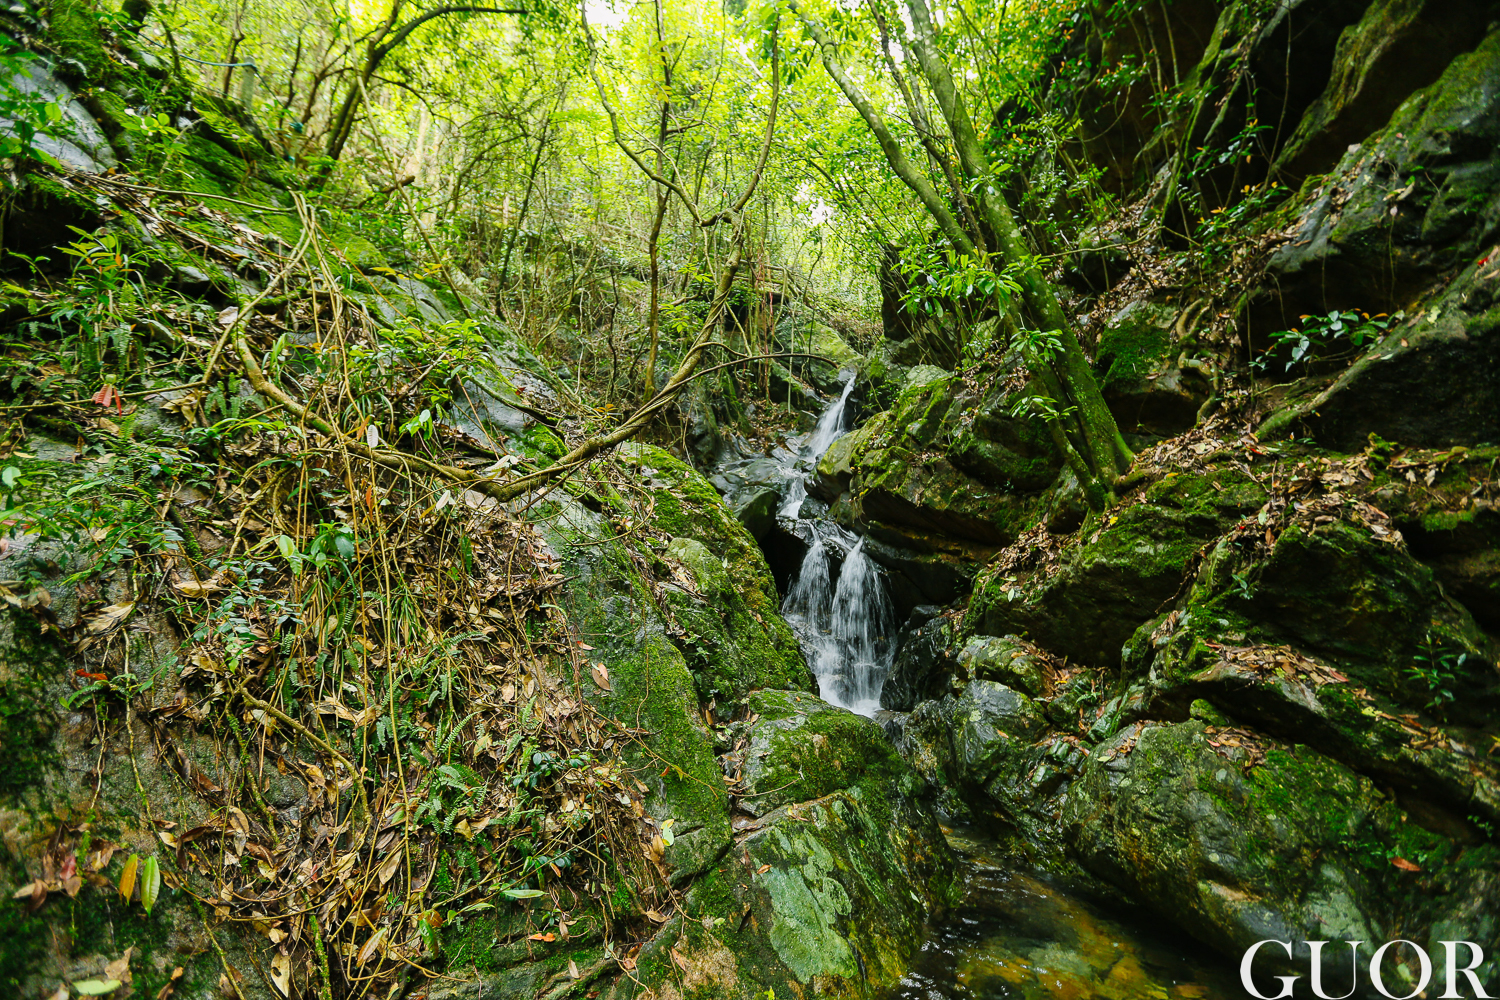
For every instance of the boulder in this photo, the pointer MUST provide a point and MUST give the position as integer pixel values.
(835, 876)
(1396, 48)
(1138, 373)
(1239, 839)
(923, 660)
(1416, 202)
(1105, 587)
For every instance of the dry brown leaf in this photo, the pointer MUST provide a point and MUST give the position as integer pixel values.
(681, 961)
(120, 967)
(165, 992)
(104, 622)
(388, 867)
(281, 973)
(600, 673)
(573, 972)
(655, 916)
(368, 951)
(549, 936)
(1405, 865)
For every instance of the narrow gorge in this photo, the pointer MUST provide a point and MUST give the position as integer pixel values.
(921, 500)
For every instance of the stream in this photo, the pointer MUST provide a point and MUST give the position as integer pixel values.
(1016, 935)
(1022, 936)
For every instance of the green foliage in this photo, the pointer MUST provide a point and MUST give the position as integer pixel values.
(1321, 337)
(1437, 667)
(29, 114)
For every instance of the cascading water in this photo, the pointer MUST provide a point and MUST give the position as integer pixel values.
(830, 425)
(845, 623)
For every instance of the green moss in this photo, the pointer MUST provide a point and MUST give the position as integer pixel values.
(31, 663)
(23, 945)
(1135, 345)
(830, 751)
(74, 30)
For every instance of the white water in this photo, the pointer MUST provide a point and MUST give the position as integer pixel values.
(830, 425)
(846, 624)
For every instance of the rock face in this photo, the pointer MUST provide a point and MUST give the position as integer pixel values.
(1418, 200)
(1089, 604)
(1294, 848)
(830, 883)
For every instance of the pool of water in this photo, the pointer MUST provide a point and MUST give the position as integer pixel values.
(1021, 936)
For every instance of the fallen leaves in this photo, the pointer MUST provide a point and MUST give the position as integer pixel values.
(600, 673)
(104, 623)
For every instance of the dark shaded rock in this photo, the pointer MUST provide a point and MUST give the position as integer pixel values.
(1204, 665)
(1361, 238)
(1432, 383)
(923, 661)
(1338, 591)
(1463, 550)
(1096, 270)
(1138, 373)
(1396, 48)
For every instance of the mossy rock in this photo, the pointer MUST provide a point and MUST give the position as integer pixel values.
(688, 506)
(610, 607)
(728, 650)
(1138, 374)
(827, 898)
(984, 749)
(1339, 591)
(1232, 847)
(1106, 587)
(1206, 656)
(801, 748)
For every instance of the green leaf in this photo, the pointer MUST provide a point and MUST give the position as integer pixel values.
(9, 476)
(520, 893)
(150, 882)
(96, 987)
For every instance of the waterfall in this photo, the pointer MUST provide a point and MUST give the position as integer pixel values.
(830, 424)
(846, 624)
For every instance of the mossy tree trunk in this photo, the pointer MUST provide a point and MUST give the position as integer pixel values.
(1080, 421)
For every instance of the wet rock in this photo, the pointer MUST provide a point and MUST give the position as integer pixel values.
(1290, 846)
(983, 748)
(1005, 659)
(923, 661)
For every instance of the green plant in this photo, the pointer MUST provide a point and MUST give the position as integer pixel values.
(1319, 335)
(29, 114)
(1437, 667)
